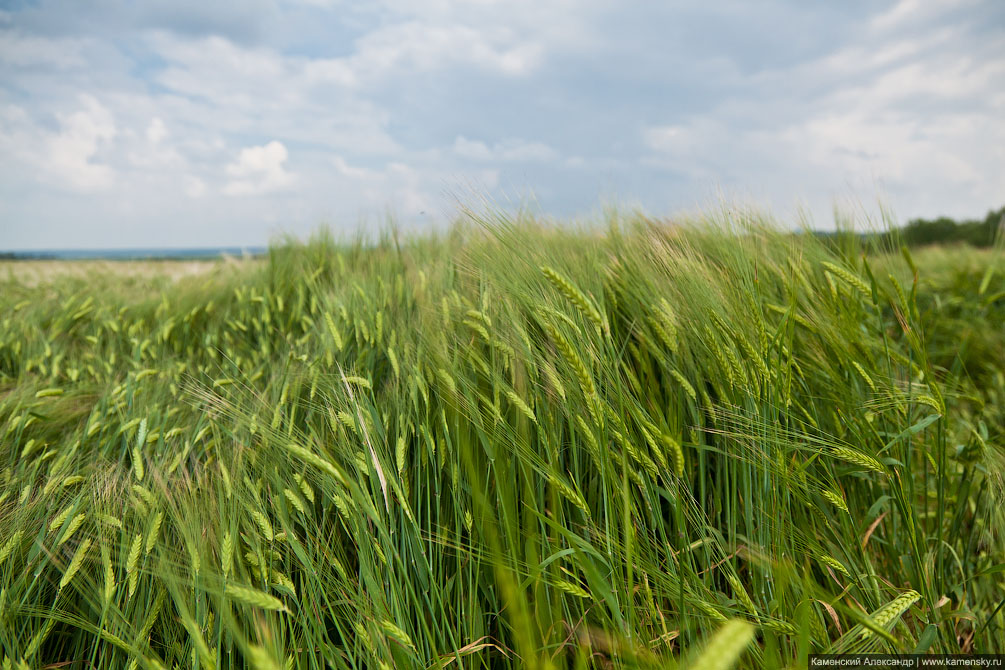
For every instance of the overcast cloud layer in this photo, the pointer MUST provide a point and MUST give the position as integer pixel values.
(196, 123)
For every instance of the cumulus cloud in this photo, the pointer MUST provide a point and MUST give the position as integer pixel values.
(221, 85)
(153, 150)
(878, 122)
(18, 49)
(506, 150)
(69, 155)
(156, 131)
(194, 187)
(906, 12)
(258, 170)
(419, 46)
(415, 190)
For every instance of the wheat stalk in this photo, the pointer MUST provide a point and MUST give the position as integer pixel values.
(576, 297)
(573, 359)
(75, 523)
(519, 403)
(62, 516)
(263, 524)
(398, 634)
(834, 563)
(676, 453)
(742, 595)
(227, 553)
(892, 611)
(858, 458)
(295, 501)
(155, 528)
(109, 590)
(10, 545)
(572, 589)
(850, 279)
(254, 597)
(835, 500)
(131, 560)
(75, 562)
(684, 383)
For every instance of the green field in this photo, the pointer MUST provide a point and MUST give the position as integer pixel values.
(513, 445)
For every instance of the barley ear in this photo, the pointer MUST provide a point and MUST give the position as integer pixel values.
(75, 563)
(254, 597)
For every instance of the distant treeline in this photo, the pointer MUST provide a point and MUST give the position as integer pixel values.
(943, 230)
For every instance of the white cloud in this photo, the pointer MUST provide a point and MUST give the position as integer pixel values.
(154, 152)
(424, 46)
(20, 50)
(352, 172)
(156, 131)
(907, 12)
(472, 149)
(674, 139)
(411, 190)
(335, 71)
(229, 75)
(407, 186)
(259, 170)
(881, 136)
(194, 187)
(515, 150)
(69, 155)
(234, 89)
(15, 125)
(551, 25)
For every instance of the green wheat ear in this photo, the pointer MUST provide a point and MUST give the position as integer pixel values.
(724, 649)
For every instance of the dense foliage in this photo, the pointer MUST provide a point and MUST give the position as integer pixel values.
(944, 230)
(510, 446)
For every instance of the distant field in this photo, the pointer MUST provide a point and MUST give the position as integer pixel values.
(510, 446)
(35, 272)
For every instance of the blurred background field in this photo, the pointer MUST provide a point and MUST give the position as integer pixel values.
(37, 272)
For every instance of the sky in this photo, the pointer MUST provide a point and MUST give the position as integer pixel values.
(195, 123)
